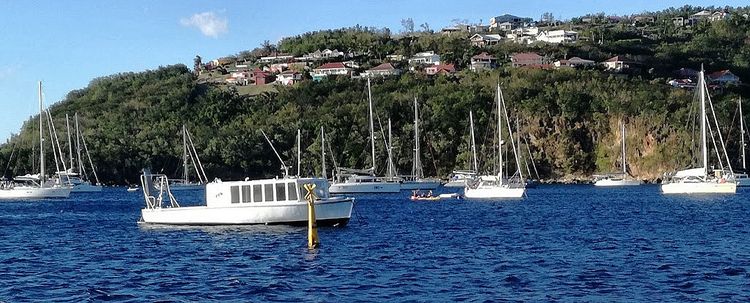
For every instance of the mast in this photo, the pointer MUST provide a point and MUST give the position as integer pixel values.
(417, 172)
(299, 152)
(742, 135)
(323, 152)
(704, 152)
(499, 137)
(372, 126)
(391, 169)
(184, 154)
(41, 139)
(473, 146)
(624, 168)
(70, 142)
(78, 147)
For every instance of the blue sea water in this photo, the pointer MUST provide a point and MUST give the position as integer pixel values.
(563, 243)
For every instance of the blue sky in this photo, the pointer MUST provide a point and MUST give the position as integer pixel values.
(66, 44)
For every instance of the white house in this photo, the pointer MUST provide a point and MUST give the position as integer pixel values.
(574, 62)
(557, 36)
(515, 21)
(289, 77)
(483, 61)
(618, 63)
(481, 40)
(428, 58)
(385, 69)
(331, 68)
(724, 77)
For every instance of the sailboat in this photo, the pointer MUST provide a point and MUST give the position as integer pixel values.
(79, 178)
(698, 180)
(741, 177)
(36, 186)
(459, 178)
(495, 187)
(349, 180)
(620, 179)
(417, 181)
(189, 154)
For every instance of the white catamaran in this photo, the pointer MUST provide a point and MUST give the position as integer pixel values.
(363, 181)
(698, 180)
(622, 178)
(497, 187)
(36, 186)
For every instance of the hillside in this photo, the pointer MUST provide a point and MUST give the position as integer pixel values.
(568, 116)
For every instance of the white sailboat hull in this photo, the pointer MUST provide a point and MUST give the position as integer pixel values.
(609, 182)
(494, 192)
(420, 185)
(183, 187)
(364, 187)
(699, 188)
(456, 183)
(332, 211)
(86, 188)
(35, 192)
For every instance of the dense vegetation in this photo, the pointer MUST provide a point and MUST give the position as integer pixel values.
(568, 117)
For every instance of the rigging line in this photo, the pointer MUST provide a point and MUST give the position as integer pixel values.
(200, 165)
(12, 152)
(88, 155)
(57, 143)
(721, 139)
(52, 142)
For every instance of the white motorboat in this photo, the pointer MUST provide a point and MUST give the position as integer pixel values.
(698, 180)
(266, 201)
(36, 186)
(349, 180)
(499, 187)
(622, 178)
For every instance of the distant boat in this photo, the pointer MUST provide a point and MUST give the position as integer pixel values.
(741, 177)
(133, 188)
(78, 177)
(349, 180)
(36, 186)
(498, 187)
(189, 156)
(264, 201)
(698, 180)
(417, 181)
(459, 178)
(620, 179)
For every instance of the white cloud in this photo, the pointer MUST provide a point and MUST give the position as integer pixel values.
(210, 24)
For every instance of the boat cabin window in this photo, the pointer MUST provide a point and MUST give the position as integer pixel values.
(280, 192)
(292, 190)
(268, 189)
(235, 194)
(257, 193)
(246, 193)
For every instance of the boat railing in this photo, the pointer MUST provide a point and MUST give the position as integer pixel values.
(156, 189)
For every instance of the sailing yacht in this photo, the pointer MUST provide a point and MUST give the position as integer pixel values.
(620, 179)
(36, 186)
(459, 178)
(363, 181)
(189, 153)
(741, 177)
(494, 187)
(698, 180)
(79, 178)
(417, 181)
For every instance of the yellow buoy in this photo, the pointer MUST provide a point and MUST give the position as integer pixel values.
(312, 225)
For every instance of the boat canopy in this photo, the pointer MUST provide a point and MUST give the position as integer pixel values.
(693, 172)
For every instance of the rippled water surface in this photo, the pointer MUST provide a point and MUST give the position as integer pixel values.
(562, 243)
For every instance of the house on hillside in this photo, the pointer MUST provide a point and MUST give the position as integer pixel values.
(574, 62)
(718, 16)
(619, 63)
(426, 58)
(557, 36)
(514, 21)
(276, 58)
(482, 40)
(382, 70)
(723, 78)
(483, 61)
(527, 59)
(263, 77)
(289, 77)
(440, 69)
(523, 35)
(329, 69)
